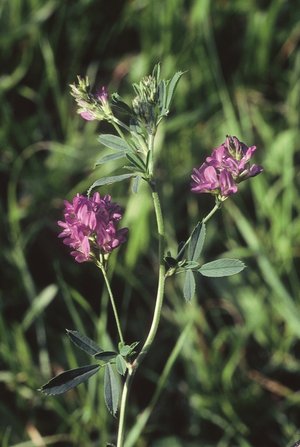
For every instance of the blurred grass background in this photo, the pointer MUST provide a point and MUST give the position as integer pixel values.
(236, 378)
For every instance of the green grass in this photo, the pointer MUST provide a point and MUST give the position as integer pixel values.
(235, 379)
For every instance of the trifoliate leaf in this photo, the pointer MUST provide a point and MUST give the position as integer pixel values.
(135, 184)
(105, 356)
(189, 286)
(110, 157)
(121, 365)
(83, 342)
(172, 86)
(109, 181)
(222, 267)
(111, 390)
(196, 242)
(114, 142)
(69, 379)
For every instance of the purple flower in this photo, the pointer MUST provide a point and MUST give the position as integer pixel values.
(234, 157)
(208, 179)
(228, 165)
(88, 116)
(102, 95)
(91, 106)
(90, 225)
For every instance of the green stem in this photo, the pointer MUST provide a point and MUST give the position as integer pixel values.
(157, 310)
(203, 221)
(112, 300)
(144, 416)
(211, 213)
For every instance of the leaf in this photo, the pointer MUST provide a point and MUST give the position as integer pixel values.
(125, 350)
(196, 243)
(135, 184)
(121, 365)
(222, 267)
(40, 302)
(136, 161)
(189, 286)
(69, 379)
(162, 95)
(114, 142)
(191, 265)
(109, 181)
(109, 157)
(111, 390)
(105, 356)
(172, 86)
(83, 342)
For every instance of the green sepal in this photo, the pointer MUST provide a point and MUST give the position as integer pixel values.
(114, 142)
(69, 379)
(189, 285)
(105, 356)
(121, 365)
(83, 342)
(109, 181)
(222, 267)
(196, 243)
(111, 390)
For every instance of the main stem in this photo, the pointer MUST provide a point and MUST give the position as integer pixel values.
(158, 305)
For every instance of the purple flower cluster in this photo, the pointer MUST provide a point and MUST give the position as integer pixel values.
(228, 165)
(100, 99)
(90, 226)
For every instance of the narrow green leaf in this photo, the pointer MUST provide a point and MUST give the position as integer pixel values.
(105, 356)
(189, 286)
(121, 365)
(136, 184)
(69, 379)
(114, 142)
(136, 162)
(83, 342)
(222, 267)
(162, 95)
(196, 242)
(109, 181)
(110, 157)
(111, 390)
(172, 86)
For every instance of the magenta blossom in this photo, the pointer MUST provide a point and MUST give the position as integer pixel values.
(227, 166)
(90, 226)
(234, 157)
(209, 179)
